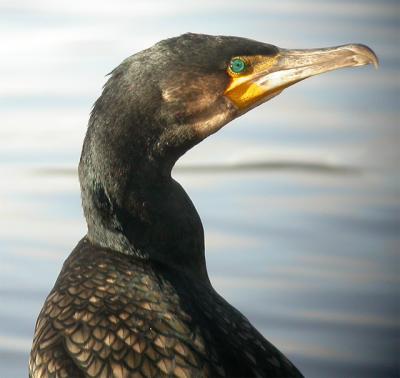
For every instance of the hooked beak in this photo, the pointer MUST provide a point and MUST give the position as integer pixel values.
(267, 76)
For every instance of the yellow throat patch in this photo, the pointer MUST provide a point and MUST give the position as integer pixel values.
(243, 89)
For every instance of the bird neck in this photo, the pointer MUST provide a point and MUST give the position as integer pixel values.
(143, 214)
(161, 222)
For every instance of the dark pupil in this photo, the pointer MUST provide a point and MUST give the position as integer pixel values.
(237, 65)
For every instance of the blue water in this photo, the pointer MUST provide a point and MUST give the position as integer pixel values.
(306, 245)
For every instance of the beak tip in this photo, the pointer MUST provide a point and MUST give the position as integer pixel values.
(365, 54)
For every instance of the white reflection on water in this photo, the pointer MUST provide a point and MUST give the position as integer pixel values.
(311, 256)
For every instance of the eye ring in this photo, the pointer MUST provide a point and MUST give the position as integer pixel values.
(237, 66)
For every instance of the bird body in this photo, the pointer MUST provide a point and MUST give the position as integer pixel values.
(113, 315)
(134, 298)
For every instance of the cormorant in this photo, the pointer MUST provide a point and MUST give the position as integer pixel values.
(134, 299)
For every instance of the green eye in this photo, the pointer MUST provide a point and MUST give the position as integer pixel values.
(237, 65)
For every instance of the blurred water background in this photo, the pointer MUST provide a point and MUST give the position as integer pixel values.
(299, 198)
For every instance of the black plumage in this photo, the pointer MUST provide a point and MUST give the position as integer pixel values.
(134, 299)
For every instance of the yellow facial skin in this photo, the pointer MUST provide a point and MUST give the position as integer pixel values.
(243, 90)
(266, 76)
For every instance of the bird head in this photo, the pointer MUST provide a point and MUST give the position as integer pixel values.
(168, 98)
